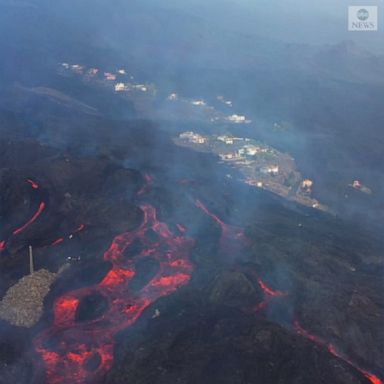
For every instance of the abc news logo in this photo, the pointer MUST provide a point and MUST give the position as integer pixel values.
(362, 18)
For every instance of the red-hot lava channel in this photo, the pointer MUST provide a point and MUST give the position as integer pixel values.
(73, 343)
(144, 188)
(333, 350)
(62, 239)
(21, 229)
(231, 237)
(231, 233)
(33, 184)
(31, 220)
(269, 291)
(58, 241)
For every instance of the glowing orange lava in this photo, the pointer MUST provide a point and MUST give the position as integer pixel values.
(116, 277)
(333, 350)
(30, 221)
(201, 206)
(269, 291)
(62, 239)
(74, 352)
(77, 342)
(144, 188)
(17, 231)
(33, 184)
(80, 228)
(373, 379)
(182, 228)
(232, 238)
(58, 241)
(65, 310)
(233, 234)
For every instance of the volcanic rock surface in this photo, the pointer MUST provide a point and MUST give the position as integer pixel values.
(237, 285)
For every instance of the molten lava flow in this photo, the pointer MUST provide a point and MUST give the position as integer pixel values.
(333, 350)
(269, 295)
(182, 228)
(372, 378)
(82, 352)
(144, 188)
(70, 236)
(33, 184)
(231, 237)
(301, 331)
(17, 231)
(58, 241)
(65, 310)
(116, 277)
(230, 243)
(79, 228)
(201, 206)
(69, 347)
(269, 291)
(230, 233)
(30, 221)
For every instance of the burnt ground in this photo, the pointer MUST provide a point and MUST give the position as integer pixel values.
(91, 175)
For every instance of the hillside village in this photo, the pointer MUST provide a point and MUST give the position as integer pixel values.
(143, 93)
(260, 165)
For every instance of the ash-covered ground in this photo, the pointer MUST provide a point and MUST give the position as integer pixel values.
(166, 270)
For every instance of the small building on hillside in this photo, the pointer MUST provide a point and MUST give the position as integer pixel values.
(270, 170)
(109, 76)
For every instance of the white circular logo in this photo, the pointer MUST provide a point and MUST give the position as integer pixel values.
(362, 14)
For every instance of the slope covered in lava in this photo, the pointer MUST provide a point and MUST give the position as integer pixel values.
(176, 273)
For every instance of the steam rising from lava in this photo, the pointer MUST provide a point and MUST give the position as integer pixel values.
(232, 238)
(69, 348)
(227, 233)
(76, 351)
(333, 350)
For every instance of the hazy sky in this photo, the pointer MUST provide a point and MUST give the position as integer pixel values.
(290, 20)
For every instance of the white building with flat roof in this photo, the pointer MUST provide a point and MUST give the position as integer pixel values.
(120, 87)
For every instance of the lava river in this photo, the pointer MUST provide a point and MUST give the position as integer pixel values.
(82, 352)
(230, 234)
(35, 216)
(232, 238)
